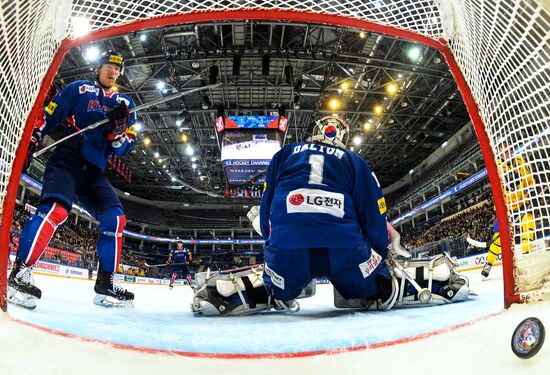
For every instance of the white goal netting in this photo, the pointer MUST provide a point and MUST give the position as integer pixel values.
(502, 48)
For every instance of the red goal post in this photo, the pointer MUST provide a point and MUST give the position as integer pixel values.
(497, 51)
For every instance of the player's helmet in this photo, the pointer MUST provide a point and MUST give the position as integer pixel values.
(111, 57)
(331, 130)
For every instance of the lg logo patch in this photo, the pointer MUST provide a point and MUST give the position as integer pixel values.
(296, 199)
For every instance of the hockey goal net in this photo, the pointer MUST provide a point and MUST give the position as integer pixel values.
(497, 50)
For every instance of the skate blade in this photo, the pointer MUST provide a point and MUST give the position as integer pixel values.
(21, 299)
(108, 301)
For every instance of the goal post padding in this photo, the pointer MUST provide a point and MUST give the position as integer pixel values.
(31, 56)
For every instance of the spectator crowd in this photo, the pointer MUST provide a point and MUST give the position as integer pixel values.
(476, 223)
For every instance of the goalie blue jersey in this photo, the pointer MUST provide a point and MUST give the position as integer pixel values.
(83, 103)
(322, 196)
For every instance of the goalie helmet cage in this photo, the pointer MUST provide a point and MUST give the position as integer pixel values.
(497, 51)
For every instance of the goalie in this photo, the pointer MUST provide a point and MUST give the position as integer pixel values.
(323, 214)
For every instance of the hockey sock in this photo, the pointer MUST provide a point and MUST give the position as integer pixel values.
(527, 233)
(173, 278)
(39, 230)
(494, 250)
(109, 244)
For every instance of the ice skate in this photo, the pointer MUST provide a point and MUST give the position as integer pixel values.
(110, 293)
(21, 288)
(486, 270)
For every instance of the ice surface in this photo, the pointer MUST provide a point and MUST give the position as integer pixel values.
(162, 320)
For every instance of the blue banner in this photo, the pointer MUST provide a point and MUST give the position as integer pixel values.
(452, 191)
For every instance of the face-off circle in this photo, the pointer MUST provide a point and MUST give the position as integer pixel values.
(528, 338)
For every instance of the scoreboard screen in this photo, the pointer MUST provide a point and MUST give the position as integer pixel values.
(247, 145)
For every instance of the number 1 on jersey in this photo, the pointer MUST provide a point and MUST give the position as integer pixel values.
(317, 163)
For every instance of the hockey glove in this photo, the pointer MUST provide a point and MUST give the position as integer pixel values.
(33, 145)
(129, 136)
(118, 121)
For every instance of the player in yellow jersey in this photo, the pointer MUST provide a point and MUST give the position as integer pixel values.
(517, 183)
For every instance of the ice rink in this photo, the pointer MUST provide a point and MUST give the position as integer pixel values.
(161, 335)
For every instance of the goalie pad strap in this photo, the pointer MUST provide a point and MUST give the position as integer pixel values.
(255, 295)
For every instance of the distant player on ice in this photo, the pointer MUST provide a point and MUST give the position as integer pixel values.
(76, 169)
(180, 258)
(518, 180)
(323, 214)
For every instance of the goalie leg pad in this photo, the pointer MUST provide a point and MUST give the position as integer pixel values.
(223, 293)
(430, 281)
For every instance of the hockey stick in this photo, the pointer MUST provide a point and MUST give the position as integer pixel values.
(138, 108)
(164, 264)
(486, 245)
(475, 243)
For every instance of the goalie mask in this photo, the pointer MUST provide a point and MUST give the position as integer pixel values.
(331, 131)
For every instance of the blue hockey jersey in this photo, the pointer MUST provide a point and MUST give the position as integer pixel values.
(322, 196)
(180, 256)
(83, 103)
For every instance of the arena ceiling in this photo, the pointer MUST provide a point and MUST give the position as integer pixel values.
(425, 111)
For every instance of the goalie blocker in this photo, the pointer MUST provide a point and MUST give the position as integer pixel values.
(422, 282)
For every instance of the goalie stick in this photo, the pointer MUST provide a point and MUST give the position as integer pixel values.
(138, 108)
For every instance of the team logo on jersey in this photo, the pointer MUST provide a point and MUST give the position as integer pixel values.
(95, 105)
(51, 108)
(382, 205)
(88, 88)
(368, 266)
(315, 201)
(330, 132)
(296, 199)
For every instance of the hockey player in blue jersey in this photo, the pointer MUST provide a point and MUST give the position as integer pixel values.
(180, 258)
(323, 214)
(76, 170)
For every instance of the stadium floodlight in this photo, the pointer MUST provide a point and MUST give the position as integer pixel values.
(391, 88)
(92, 53)
(334, 103)
(414, 54)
